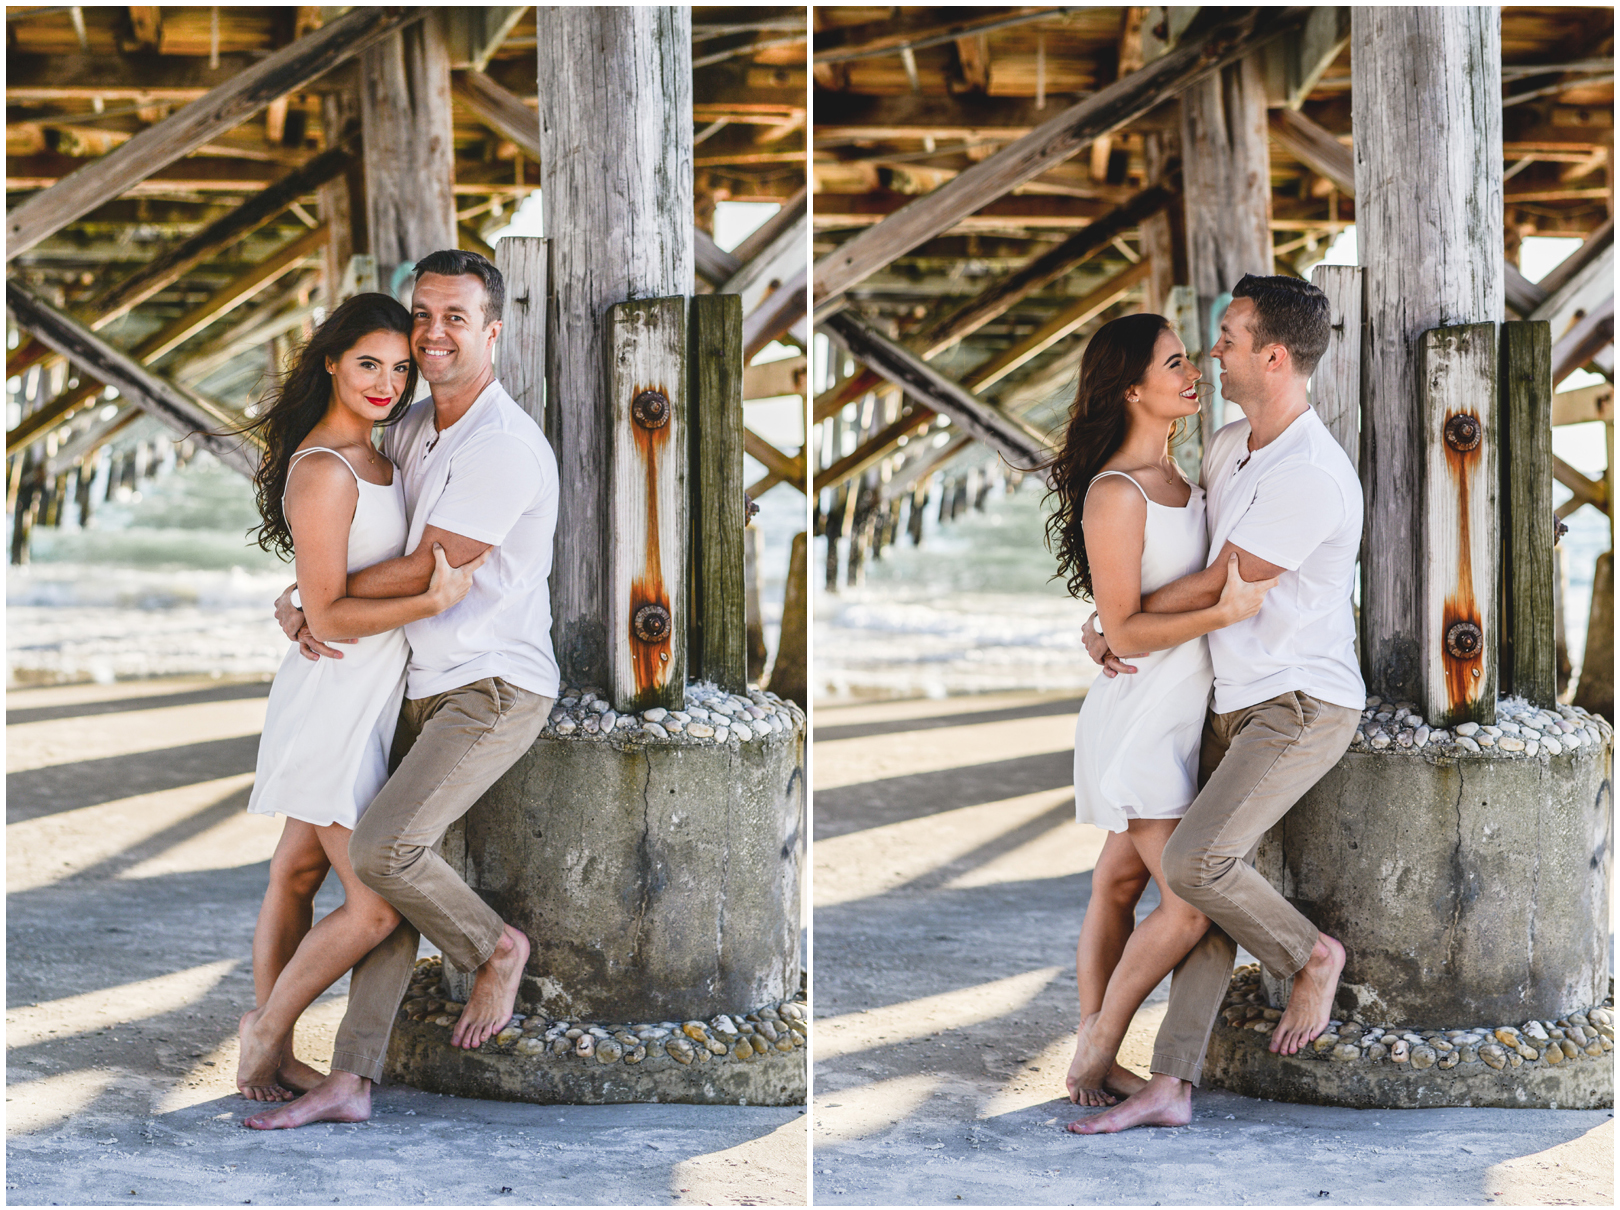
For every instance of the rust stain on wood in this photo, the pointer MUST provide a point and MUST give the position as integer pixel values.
(1464, 675)
(650, 660)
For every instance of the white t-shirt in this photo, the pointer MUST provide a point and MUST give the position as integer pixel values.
(492, 477)
(1296, 503)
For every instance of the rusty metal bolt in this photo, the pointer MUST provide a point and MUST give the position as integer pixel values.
(652, 624)
(1463, 432)
(1465, 640)
(650, 409)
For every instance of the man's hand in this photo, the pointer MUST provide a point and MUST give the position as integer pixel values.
(313, 649)
(291, 621)
(1097, 649)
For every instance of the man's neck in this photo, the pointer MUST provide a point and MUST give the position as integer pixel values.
(450, 404)
(1270, 417)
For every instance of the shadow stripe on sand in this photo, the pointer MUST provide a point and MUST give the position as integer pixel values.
(895, 799)
(1068, 705)
(57, 788)
(222, 693)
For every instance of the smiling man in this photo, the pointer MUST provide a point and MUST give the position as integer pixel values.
(478, 474)
(1284, 498)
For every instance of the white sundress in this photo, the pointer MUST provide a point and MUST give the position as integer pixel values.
(1136, 740)
(329, 724)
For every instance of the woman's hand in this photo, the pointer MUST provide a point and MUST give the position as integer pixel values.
(1239, 598)
(449, 584)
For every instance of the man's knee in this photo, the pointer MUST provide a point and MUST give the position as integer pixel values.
(376, 862)
(1188, 868)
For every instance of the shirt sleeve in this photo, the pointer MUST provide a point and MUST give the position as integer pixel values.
(1296, 508)
(493, 481)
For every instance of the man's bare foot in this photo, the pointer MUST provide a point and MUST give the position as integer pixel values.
(296, 1074)
(1089, 1069)
(1310, 1003)
(341, 1097)
(1164, 1101)
(257, 1062)
(494, 992)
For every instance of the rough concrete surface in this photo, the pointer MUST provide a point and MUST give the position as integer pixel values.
(950, 881)
(134, 878)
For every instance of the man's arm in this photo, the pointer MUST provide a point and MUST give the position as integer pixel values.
(1201, 589)
(409, 574)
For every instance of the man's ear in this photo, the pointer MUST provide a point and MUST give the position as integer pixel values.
(495, 329)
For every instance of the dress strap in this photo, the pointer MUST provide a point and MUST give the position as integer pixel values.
(325, 450)
(1122, 475)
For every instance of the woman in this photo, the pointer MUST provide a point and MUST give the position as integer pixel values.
(1128, 522)
(332, 501)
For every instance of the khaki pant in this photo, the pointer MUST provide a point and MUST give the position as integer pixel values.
(1254, 765)
(448, 749)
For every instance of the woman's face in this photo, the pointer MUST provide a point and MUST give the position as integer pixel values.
(369, 377)
(1167, 391)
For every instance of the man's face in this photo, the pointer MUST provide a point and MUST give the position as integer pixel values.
(1242, 366)
(449, 338)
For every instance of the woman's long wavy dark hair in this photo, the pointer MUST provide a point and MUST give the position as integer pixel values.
(1117, 359)
(295, 405)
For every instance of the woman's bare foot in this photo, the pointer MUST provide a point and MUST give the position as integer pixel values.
(296, 1074)
(1165, 1101)
(257, 1062)
(341, 1097)
(1310, 1003)
(494, 992)
(1088, 1069)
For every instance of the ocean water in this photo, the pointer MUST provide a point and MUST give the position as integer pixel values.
(972, 609)
(166, 583)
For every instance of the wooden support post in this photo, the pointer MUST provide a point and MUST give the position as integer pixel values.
(1596, 689)
(177, 410)
(753, 617)
(521, 354)
(1528, 666)
(1225, 41)
(213, 239)
(342, 200)
(790, 669)
(616, 172)
(1226, 175)
(409, 146)
(647, 604)
(1429, 226)
(718, 510)
(1336, 383)
(1460, 550)
(227, 106)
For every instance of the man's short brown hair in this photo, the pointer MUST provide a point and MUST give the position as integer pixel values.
(1291, 313)
(453, 262)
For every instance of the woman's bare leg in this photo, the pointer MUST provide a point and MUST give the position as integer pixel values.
(1151, 953)
(297, 869)
(1117, 882)
(333, 946)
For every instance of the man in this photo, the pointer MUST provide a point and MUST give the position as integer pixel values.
(1283, 496)
(478, 474)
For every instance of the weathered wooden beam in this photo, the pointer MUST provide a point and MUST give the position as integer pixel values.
(1592, 283)
(875, 448)
(199, 174)
(842, 118)
(499, 109)
(714, 263)
(1582, 343)
(785, 377)
(521, 351)
(1460, 550)
(1429, 229)
(1294, 64)
(789, 671)
(178, 410)
(767, 232)
(1584, 404)
(1594, 246)
(847, 43)
(612, 160)
(1081, 311)
(1226, 41)
(648, 606)
(1527, 658)
(973, 53)
(1586, 489)
(252, 214)
(1042, 270)
(228, 105)
(715, 649)
(1314, 147)
(1336, 381)
(1021, 446)
(477, 31)
(787, 469)
(780, 261)
(780, 311)
(405, 120)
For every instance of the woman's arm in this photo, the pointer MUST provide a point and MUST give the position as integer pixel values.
(1115, 522)
(320, 504)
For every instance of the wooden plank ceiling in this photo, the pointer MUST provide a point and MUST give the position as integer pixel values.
(81, 81)
(905, 98)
